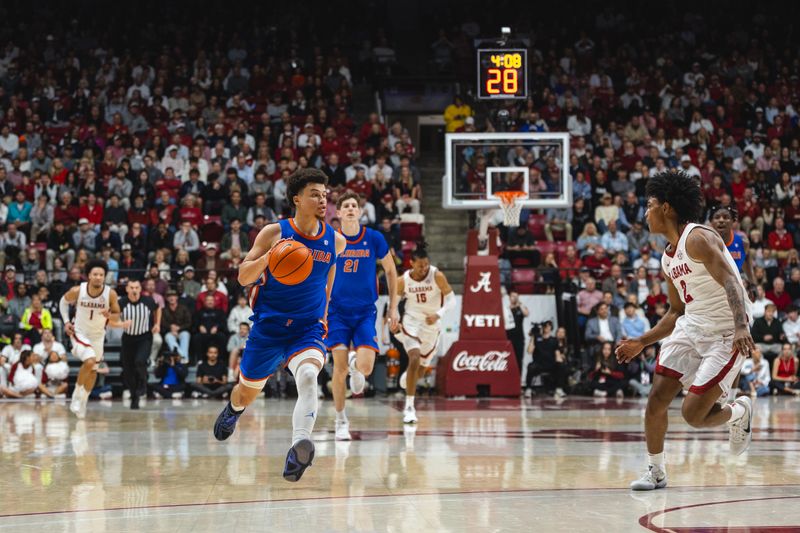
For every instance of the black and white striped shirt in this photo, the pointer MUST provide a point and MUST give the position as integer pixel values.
(141, 313)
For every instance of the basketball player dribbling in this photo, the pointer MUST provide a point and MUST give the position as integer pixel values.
(428, 297)
(96, 306)
(706, 328)
(289, 321)
(353, 313)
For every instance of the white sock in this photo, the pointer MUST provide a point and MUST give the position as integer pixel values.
(737, 411)
(341, 416)
(409, 402)
(237, 408)
(656, 460)
(305, 410)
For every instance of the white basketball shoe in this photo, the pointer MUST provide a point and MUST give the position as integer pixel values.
(740, 431)
(654, 478)
(342, 430)
(357, 379)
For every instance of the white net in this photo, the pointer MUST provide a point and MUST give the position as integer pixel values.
(512, 207)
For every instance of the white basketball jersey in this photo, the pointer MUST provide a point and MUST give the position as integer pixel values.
(89, 319)
(707, 305)
(422, 297)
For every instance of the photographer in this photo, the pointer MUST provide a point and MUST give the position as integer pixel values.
(172, 375)
(549, 358)
(212, 377)
(515, 313)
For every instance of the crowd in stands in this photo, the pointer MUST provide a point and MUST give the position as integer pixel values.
(720, 106)
(166, 161)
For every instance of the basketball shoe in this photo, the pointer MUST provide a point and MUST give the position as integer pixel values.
(226, 422)
(409, 415)
(654, 478)
(357, 379)
(298, 459)
(342, 430)
(740, 430)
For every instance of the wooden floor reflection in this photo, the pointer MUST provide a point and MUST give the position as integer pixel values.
(470, 465)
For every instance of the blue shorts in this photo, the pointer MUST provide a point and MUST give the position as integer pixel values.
(356, 328)
(273, 343)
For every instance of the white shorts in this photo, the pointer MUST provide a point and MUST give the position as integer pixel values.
(415, 334)
(699, 360)
(84, 347)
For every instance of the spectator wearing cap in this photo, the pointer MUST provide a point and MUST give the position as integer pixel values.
(59, 244)
(172, 160)
(191, 287)
(107, 238)
(130, 266)
(605, 212)
(308, 136)
(688, 166)
(210, 259)
(85, 236)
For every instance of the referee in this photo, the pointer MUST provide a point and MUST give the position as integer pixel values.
(145, 317)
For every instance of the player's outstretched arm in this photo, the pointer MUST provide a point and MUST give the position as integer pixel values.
(391, 281)
(630, 348)
(256, 261)
(112, 315)
(707, 247)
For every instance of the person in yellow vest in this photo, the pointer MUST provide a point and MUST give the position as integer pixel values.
(455, 114)
(36, 317)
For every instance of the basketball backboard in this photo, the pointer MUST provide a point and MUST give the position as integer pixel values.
(477, 165)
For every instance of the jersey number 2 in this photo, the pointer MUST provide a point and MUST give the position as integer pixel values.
(351, 265)
(686, 296)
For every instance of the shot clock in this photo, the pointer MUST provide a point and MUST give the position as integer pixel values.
(502, 73)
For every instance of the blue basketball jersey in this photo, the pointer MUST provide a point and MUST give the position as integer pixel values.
(736, 248)
(356, 285)
(304, 302)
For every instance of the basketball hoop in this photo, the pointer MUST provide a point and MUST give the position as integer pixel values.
(511, 203)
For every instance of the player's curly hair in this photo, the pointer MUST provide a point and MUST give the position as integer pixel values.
(348, 195)
(421, 251)
(681, 191)
(96, 263)
(302, 177)
(719, 207)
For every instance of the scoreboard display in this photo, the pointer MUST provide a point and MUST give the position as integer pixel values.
(502, 73)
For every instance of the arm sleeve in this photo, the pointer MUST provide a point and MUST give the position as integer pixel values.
(63, 307)
(449, 303)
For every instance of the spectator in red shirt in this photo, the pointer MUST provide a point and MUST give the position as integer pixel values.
(598, 262)
(65, 212)
(570, 264)
(220, 300)
(190, 212)
(91, 210)
(163, 210)
(359, 184)
(779, 295)
(780, 240)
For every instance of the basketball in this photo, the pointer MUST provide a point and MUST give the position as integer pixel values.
(290, 262)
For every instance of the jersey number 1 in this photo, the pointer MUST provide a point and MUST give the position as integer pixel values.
(686, 296)
(351, 265)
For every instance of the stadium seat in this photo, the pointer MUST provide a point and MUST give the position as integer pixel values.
(524, 280)
(545, 247)
(212, 229)
(410, 231)
(536, 226)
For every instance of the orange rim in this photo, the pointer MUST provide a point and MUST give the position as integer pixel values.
(509, 197)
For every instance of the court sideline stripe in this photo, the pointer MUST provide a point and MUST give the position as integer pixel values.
(407, 494)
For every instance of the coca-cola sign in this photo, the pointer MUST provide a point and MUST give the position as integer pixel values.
(491, 361)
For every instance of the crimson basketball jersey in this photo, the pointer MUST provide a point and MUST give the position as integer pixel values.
(707, 305)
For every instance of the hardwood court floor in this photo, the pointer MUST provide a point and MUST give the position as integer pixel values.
(471, 465)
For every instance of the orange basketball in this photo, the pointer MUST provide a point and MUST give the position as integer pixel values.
(290, 262)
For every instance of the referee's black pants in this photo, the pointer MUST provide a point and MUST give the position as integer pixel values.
(135, 354)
